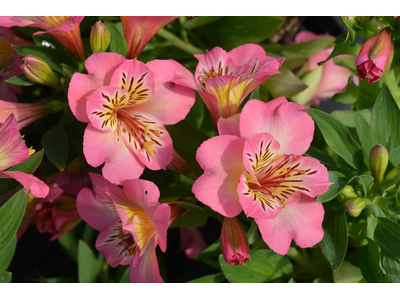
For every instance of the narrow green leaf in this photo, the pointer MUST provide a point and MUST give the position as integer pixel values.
(338, 182)
(343, 46)
(263, 266)
(11, 213)
(321, 156)
(369, 263)
(364, 133)
(21, 80)
(199, 21)
(211, 251)
(118, 42)
(7, 254)
(252, 234)
(338, 138)
(215, 278)
(29, 166)
(387, 236)
(5, 277)
(55, 143)
(347, 273)
(69, 243)
(334, 243)
(367, 94)
(385, 124)
(88, 264)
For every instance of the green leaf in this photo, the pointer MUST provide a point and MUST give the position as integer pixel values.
(347, 273)
(230, 32)
(284, 84)
(391, 265)
(396, 56)
(338, 183)
(346, 117)
(321, 156)
(369, 263)
(125, 277)
(53, 57)
(21, 80)
(334, 243)
(347, 62)
(55, 143)
(385, 124)
(29, 166)
(263, 266)
(118, 42)
(348, 95)
(312, 80)
(367, 94)
(252, 234)
(7, 254)
(11, 213)
(211, 251)
(343, 46)
(387, 236)
(364, 133)
(308, 48)
(351, 27)
(199, 21)
(215, 278)
(5, 277)
(69, 243)
(195, 217)
(88, 264)
(338, 138)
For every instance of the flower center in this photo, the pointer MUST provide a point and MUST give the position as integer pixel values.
(213, 73)
(126, 241)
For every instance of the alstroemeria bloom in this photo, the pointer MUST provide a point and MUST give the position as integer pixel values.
(260, 170)
(9, 63)
(138, 31)
(375, 57)
(323, 81)
(224, 79)
(131, 223)
(27, 113)
(125, 102)
(65, 29)
(13, 150)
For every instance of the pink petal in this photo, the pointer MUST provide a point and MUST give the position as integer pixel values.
(229, 126)
(301, 221)
(170, 102)
(289, 124)
(183, 77)
(38, 188)
(103, 147)
(146, 270)
(116, 245)
(221, 160)
(192, 241)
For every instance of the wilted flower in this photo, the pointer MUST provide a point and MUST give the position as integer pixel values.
(234, 244)
(100, 38)
(378, 161)
(375, 57)
(37, 70)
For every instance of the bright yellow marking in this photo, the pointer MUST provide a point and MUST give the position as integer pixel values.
(146, 129)
(149, 147)
(303, 172)
(284, 170)
(157, 132)
(31, 151)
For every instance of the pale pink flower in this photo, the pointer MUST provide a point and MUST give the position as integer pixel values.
(138, 31)
(258, 167)
(65, 29)
(125, 103)
(224, 79)
(131, 223)
(13, 150)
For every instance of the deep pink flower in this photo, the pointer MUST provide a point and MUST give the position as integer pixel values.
(224, 79)
(13, 150)
(131, 223)
(234, 244)
(376, 56)
(65, 29)
(138, 31)
(257, 167)
(10, 62)
(331, 78)
(125, 103)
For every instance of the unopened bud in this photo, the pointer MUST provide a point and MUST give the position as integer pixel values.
(355, 206)
(100, 38)
(234, 244)
(37, 70)
(394, 174)
(348, 193)
(179, 164)
(378, 161)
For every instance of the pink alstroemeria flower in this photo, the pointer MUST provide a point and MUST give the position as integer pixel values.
(10, 62)
(138, 31)
(13, 150)
(125, 103)
(256, 166)
(224, 79)
(131, 223)
(192, 241)
(65, 29)
(331, 78)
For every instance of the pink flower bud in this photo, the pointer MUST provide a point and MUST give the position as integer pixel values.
(100, 38)
(234, 244)
(37, 70)
(376, 56)
(378, 161)
(355, 206)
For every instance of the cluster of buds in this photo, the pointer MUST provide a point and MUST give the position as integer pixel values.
(38, 71)
(100, 38)
(352, 203)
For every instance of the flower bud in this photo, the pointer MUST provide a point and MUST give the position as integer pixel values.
(394, 174)
(234, 244)
(360, 21)
(378, 161)
(375, 56)
(100, 38)
(355, 206)
(179, 164)
(37, 70)
(348, 193)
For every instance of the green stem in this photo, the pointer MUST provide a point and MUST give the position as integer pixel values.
(187, 47)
